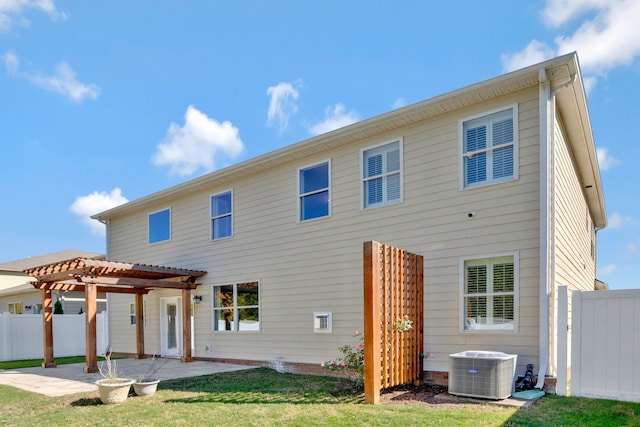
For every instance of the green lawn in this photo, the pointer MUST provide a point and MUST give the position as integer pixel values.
(261, 397)
(32, 363)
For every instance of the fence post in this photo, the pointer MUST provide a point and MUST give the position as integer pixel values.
(576, 341)
(5, 348)
(562, 353)
(372, 336)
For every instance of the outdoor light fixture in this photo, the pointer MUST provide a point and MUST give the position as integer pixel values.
(197, 299)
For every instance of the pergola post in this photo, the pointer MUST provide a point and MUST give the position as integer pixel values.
(47, 328)
(140, 354)
(90, 308)
(93, 276)
(186, 326)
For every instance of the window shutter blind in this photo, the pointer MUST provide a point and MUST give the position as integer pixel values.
(502, 132)
(476, 139)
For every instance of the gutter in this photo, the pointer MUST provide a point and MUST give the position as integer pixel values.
(547, 216)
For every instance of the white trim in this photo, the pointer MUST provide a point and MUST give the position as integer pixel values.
(149, 226)
(546, 121)
(400, 141)
(164, 349)
(317, 326)
(516, 147)
(299, 195)
(516, 292)
(211, 217)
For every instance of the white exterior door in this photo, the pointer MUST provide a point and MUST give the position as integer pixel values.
(171, 327)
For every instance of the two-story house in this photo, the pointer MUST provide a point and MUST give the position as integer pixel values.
(496, 184)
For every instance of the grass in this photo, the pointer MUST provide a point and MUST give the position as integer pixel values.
(32, 363)
(262, 397)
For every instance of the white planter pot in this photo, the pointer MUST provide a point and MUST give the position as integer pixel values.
(114, 390)
(145, 387)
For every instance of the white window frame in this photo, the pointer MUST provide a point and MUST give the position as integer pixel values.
(236, 308)
(461, 154)
(132, 314)
(384, 175)
(301, 195)
(213, 218)
(490, 259)
(149, 226)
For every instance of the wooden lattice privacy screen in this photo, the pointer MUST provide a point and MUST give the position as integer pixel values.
(393, 290)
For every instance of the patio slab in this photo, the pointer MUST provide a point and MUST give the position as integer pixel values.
(70, 379)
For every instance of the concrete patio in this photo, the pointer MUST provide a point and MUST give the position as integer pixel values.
(70, 379)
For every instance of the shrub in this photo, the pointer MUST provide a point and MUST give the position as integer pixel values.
(351, 363)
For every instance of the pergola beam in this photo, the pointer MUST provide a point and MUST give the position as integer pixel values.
(80, 287)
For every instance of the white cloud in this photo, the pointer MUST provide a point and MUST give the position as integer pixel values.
(197, 143)
(63, 81)
(558, 12)
(283, 104)
(13, 11)
(609, 36)
(335, 118)
(96, 202)
(615, 220)
(399, 103)
(607, 269)
(535, 52)
(12, 63)
(605, 160)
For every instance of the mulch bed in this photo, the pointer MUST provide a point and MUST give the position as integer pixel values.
(408, 393)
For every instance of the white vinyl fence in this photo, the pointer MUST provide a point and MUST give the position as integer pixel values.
(21, 335)
(604, 344)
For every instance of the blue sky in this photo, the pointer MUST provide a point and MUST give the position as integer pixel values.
(104, 102)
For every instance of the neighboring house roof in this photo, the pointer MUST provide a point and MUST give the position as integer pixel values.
(19, 289)
(35, 261)
(571, 104)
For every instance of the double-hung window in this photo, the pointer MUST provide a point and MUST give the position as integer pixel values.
(160, 226)
(489, 148)
(382, 174)
(489, 294)
(15, 307)
(236, 307)
(221, 215)
(313, 191)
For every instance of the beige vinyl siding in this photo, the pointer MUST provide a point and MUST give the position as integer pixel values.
(9, 279)
(575, 267)
(316, 265)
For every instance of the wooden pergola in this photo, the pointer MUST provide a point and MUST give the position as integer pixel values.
(93, 276)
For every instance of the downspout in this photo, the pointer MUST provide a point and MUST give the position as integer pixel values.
(544, 99)
(547, 218)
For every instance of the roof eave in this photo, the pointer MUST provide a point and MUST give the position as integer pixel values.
(469, 95)
(573, 103)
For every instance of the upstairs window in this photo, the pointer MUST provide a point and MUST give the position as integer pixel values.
(221, 215)
(160, 226)
(489, 294)
(236, 307)
(381, 174)
(489, 149)
(313, 191)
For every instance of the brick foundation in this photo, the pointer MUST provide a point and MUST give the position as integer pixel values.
(429, 377)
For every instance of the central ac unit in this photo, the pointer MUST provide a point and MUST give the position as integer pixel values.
(485, 374)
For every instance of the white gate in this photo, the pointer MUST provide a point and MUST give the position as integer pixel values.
(21, 335)
(604, 344)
